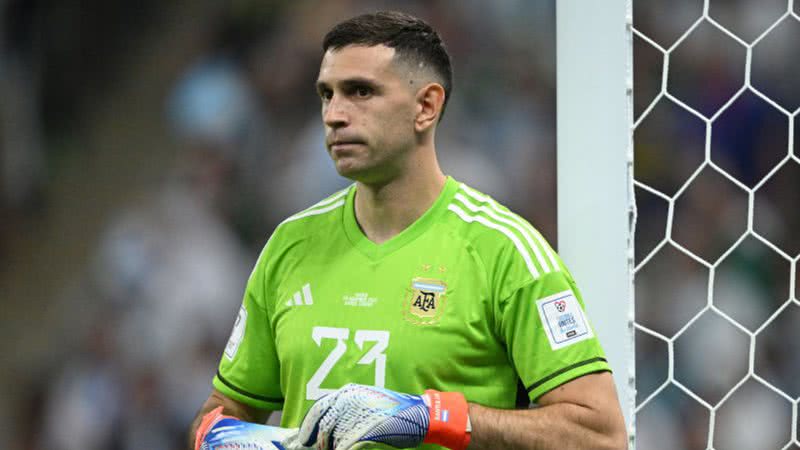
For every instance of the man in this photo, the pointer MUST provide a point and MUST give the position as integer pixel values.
(450, 312)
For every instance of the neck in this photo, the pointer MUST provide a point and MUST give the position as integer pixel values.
(386, 209)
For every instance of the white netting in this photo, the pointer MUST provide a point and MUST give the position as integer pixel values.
(717, 180)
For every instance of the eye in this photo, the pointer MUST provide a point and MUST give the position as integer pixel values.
(363, 91)
(325, 94)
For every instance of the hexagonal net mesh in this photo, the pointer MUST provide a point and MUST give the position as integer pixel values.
(717, 184)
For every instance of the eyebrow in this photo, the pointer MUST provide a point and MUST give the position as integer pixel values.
(349, 83)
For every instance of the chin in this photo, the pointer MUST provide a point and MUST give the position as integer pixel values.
(362, 175)
(348, 171)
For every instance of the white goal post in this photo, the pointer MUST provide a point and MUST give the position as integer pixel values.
(596, 212)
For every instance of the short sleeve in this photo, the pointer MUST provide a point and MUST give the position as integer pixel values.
(249, 370)
(548, 335)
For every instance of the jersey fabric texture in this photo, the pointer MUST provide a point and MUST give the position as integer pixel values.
(468, 298)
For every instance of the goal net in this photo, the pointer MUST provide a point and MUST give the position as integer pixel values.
(717, 241)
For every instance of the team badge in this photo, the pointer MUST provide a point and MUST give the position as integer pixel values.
(425, 302)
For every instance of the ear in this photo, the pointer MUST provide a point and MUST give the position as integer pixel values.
(429, 100)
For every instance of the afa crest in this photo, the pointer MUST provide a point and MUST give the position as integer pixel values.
(425, 302)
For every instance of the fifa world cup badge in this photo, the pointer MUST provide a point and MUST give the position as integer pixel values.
(425, 302)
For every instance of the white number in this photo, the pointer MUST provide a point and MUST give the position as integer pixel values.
(313, 391)
(374, 355)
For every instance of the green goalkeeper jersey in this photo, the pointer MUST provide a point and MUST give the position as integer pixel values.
(469, 298)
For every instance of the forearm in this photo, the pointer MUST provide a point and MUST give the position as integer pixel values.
(557, 426)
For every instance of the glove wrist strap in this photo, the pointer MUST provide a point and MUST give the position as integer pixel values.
(207, 423)
(449, 420)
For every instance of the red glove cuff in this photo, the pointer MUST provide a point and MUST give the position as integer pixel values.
(209, 420)
(448, 420)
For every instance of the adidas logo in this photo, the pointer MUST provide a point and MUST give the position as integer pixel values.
(301, 297)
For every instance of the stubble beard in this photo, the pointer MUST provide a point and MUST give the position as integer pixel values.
(366, 169)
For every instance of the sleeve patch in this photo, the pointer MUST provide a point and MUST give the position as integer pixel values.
(563, 320)
(237, 334)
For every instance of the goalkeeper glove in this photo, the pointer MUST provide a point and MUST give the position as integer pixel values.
(355, 414)
(218, 431)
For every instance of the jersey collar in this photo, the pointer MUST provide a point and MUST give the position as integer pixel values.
(423, 223)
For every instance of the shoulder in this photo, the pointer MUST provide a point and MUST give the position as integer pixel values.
(501, 236)
(323, 217)
(314, 219)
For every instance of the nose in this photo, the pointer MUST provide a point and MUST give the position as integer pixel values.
(334, 113)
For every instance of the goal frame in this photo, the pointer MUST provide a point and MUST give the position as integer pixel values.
(596, 209)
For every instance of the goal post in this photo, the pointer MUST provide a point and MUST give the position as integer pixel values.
(596, 213)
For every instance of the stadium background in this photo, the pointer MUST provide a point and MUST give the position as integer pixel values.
(148, 149)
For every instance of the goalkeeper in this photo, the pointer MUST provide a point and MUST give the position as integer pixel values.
(408, 310)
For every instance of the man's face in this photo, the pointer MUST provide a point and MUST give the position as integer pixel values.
(368, 107)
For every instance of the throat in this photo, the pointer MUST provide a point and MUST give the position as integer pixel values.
(382, 221)
(382, 236)
(384, 212)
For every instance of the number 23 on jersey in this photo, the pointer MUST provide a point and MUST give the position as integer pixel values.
(375, 355)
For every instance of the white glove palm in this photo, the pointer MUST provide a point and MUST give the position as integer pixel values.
(357, 414)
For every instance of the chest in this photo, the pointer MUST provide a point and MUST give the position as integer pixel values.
(342, 317)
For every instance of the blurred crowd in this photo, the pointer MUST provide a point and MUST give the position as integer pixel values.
(154, 302)
(151, 306)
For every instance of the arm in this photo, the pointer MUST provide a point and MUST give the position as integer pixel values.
(581, 414)
(231, 408)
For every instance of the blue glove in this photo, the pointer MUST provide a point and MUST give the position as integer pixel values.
(218, 431)
(358, 414)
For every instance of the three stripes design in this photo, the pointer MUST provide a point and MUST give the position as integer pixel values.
(302, 297)
(506, 222)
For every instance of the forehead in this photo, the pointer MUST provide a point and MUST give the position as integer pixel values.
(357, 61)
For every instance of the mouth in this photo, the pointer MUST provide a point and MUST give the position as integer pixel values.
(341, 146)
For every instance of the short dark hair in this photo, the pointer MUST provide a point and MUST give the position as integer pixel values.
(412, 38)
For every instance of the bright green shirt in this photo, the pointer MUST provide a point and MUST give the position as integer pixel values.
(469, 298)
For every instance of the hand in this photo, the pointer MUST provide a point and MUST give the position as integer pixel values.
(358, 414)
(218, 431)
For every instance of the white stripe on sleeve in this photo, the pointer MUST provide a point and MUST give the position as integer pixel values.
(485, 222)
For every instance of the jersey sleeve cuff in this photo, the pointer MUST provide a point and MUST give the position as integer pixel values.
(230, 390)
(569, 373)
